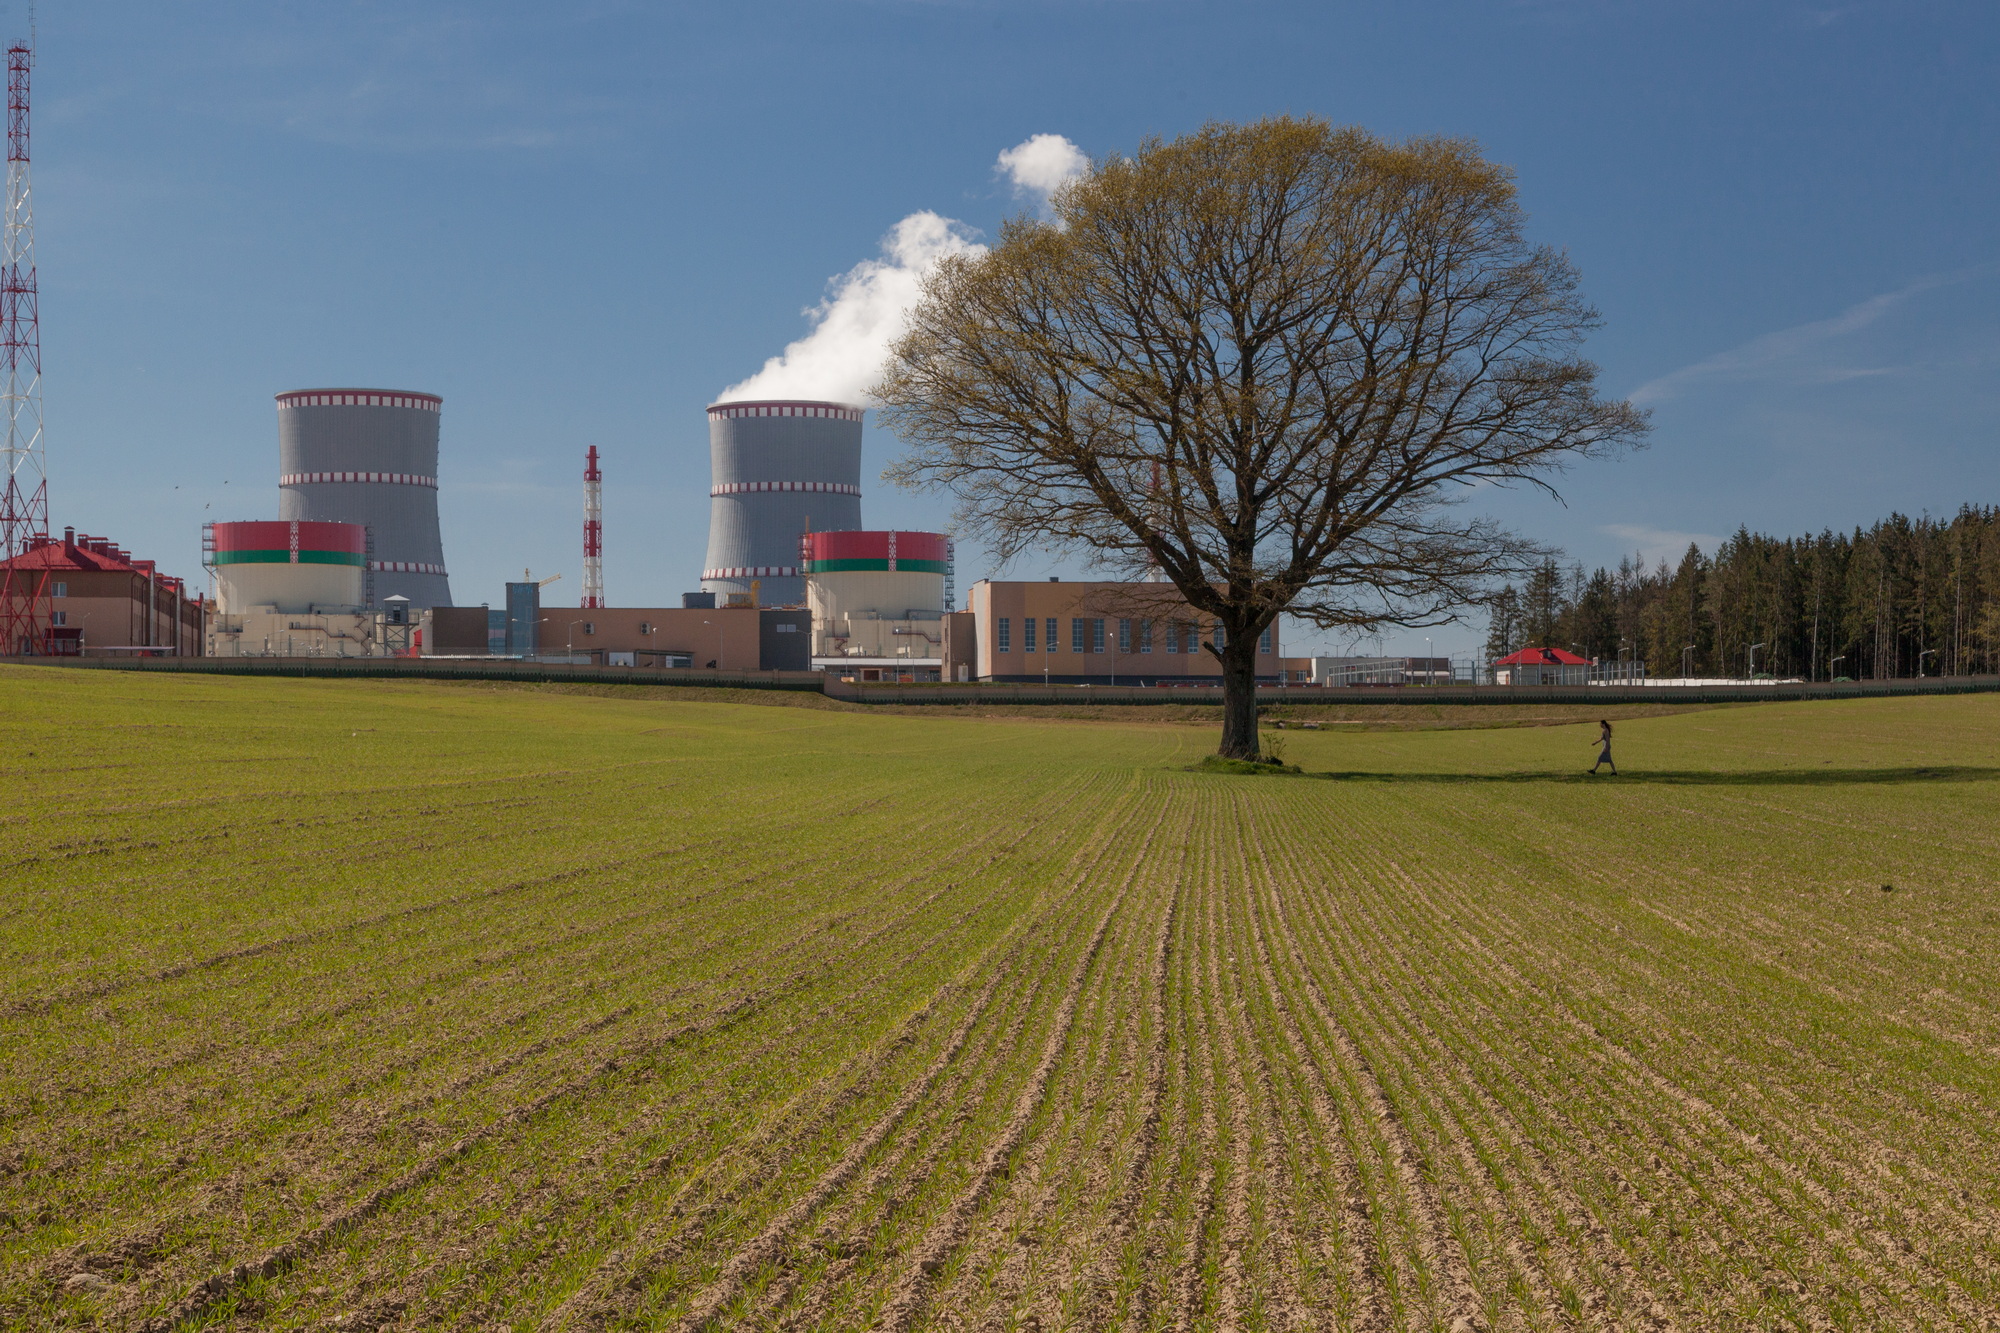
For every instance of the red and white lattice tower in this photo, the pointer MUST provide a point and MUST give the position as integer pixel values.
(24, 508)
(593, 534)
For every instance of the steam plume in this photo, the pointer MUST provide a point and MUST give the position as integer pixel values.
(865, 310)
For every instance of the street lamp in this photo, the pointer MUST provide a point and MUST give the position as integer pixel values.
(1831, 664)
(572, 638)
(1753, 659)
(1429, 679)
(718, 643)
(1686, 670)
(1928, 652)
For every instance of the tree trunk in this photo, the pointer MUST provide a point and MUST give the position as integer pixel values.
(1239, 698)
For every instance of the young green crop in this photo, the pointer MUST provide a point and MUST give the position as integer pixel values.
(453, 1006)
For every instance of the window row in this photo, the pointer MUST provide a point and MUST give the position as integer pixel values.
(1087, 635)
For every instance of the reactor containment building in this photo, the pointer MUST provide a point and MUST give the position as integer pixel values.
(778, 470)
(370, 456)
(292, 567)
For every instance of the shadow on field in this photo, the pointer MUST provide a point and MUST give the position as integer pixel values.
(1756, 777)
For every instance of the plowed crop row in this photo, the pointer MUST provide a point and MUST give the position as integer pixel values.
(401, 1006)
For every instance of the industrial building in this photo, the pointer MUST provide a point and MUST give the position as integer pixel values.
(478, 631)
(369, 457)
(725, 639)
(878, 602)
(778, 470)
(1087, 633)
(460, 631)
(295, 588)
(734, 638)
(1378, 670)
(101, 601)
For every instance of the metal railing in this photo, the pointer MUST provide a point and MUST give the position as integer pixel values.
(431, 668)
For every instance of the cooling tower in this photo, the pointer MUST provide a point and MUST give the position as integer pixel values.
(778, 470)
(369, 456)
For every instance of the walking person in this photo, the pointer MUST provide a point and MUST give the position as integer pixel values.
(1604, 753)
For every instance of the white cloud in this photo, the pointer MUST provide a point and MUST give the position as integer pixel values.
(1804, 353)
(1040, 165)
(865, 311)
(1656, 544)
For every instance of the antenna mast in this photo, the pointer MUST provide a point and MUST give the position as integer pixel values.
(24, 507)
(593, 533)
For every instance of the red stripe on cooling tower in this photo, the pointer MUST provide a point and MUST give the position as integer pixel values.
(752, 572)
(422, 402)
(369, 478)
(758, 487)
(830, 411)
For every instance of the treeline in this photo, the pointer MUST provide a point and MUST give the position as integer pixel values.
(1903, 598)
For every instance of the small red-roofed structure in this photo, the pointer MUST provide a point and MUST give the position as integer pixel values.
(1542, 666)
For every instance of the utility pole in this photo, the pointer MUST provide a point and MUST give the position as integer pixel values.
(1812, 670)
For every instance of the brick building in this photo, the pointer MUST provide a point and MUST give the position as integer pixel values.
(744, 638)
(103, 601)
(1087, 633)
(727, 639)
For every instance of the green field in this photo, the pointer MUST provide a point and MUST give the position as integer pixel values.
(373, 1005)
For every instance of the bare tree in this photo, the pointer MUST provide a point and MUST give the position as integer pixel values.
(1264, 361)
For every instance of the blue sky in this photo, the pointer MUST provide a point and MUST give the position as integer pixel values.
(579, 222)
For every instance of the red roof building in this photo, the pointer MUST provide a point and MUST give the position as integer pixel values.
(102, 600)
(1542, 657)
(1542, 666)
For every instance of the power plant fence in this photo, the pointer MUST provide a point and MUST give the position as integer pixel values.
(432, 668)
(422, 668)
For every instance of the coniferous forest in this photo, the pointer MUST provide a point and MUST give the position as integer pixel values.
(1908, 596)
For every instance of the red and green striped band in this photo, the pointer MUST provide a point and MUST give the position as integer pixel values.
(901, 566)
(301, 557)
(288, 542)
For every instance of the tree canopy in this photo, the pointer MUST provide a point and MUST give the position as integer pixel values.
(1262, 363)
(1903, 596)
